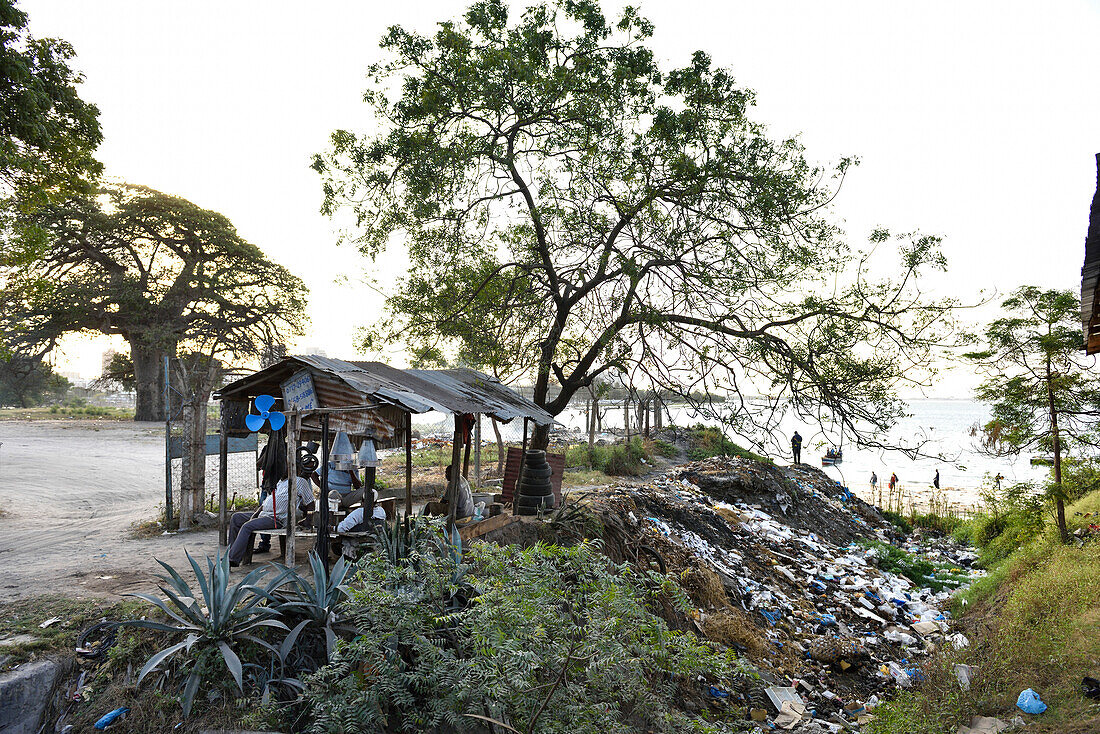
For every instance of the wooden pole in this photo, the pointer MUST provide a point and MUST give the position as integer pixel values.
(322, 533)
(452, 486)
(408, 464)
(477, 452)
(167, 446)
(291, 485)
(223, 478)
(466, 457)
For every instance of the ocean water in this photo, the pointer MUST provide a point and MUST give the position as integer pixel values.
(946, 425)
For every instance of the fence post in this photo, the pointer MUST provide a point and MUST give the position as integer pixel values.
(167, 448)
(223, 478)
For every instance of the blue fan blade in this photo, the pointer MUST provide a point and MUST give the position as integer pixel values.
(277, 419)
(264, 403)
(254, 422)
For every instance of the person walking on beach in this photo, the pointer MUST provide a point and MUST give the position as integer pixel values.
(796, 447)
(893, 481)
(936, 481)
(874, 481)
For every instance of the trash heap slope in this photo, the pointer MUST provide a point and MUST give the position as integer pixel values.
(783, 564)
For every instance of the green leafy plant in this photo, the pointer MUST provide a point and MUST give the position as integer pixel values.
(229, 616)
(708, 441)
(559, 637)
(402, 543)
(315, 598)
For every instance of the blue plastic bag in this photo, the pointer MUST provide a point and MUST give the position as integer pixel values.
(1030, 703)
(110, 718)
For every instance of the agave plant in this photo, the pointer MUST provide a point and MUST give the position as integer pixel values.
(318, 597)
(229, 615)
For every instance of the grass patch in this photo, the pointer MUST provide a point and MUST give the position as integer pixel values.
(62, 412)
(706, 441)
(898, 520)
(1034, 622)
(665, 449)
(629, 459)
(583, 478)
(23, 617)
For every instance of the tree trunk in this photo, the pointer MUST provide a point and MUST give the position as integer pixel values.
(500, 447)
(1059, 504)
(148, 380)
(1058, 501)
(592, 425)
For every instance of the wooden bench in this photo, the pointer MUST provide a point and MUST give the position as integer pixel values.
(280, 533)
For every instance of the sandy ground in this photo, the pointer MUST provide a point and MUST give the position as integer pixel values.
(70, 491)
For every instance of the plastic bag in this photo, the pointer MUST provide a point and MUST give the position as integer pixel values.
(1030, 703)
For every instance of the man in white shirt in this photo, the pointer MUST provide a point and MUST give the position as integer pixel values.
(355, 518)
(272, 514)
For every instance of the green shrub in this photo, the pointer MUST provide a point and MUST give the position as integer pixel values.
(898, 520)
(665, 449)
(943, 524)
(558, 636)
(707, 441)
(621, 459)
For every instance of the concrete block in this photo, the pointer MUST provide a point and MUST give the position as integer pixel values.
(25, 694)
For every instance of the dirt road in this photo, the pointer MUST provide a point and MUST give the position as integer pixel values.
(70, 491)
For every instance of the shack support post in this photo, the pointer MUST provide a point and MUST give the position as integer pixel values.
(223, 477)
(322, 534)
(167, 449)
(408, 464)
(291, 485)
(477, 452)
(452, 486)
(466, 453)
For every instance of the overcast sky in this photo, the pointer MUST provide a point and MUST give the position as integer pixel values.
(978, 121)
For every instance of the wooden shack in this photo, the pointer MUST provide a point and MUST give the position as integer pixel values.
(367, 400)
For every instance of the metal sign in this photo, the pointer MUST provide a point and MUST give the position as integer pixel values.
(298, 392)
(236, 445)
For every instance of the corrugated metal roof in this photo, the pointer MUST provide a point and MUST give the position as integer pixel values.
(417, 391)
(1090, 274)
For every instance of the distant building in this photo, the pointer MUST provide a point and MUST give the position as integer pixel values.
(105, 362)
(272, 354)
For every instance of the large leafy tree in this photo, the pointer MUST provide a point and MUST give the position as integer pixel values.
(26, 381)
(163, 273)
(570, 207)
(48, 134)
(1040, 383)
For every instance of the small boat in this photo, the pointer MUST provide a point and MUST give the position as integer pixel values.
(832, 457)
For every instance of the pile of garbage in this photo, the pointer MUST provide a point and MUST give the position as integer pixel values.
(784, 565)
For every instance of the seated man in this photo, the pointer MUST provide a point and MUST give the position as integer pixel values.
(346, 484)
(355, 522)
(464, 500)
(271, 514)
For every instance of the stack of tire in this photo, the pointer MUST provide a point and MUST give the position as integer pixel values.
(534, 490)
